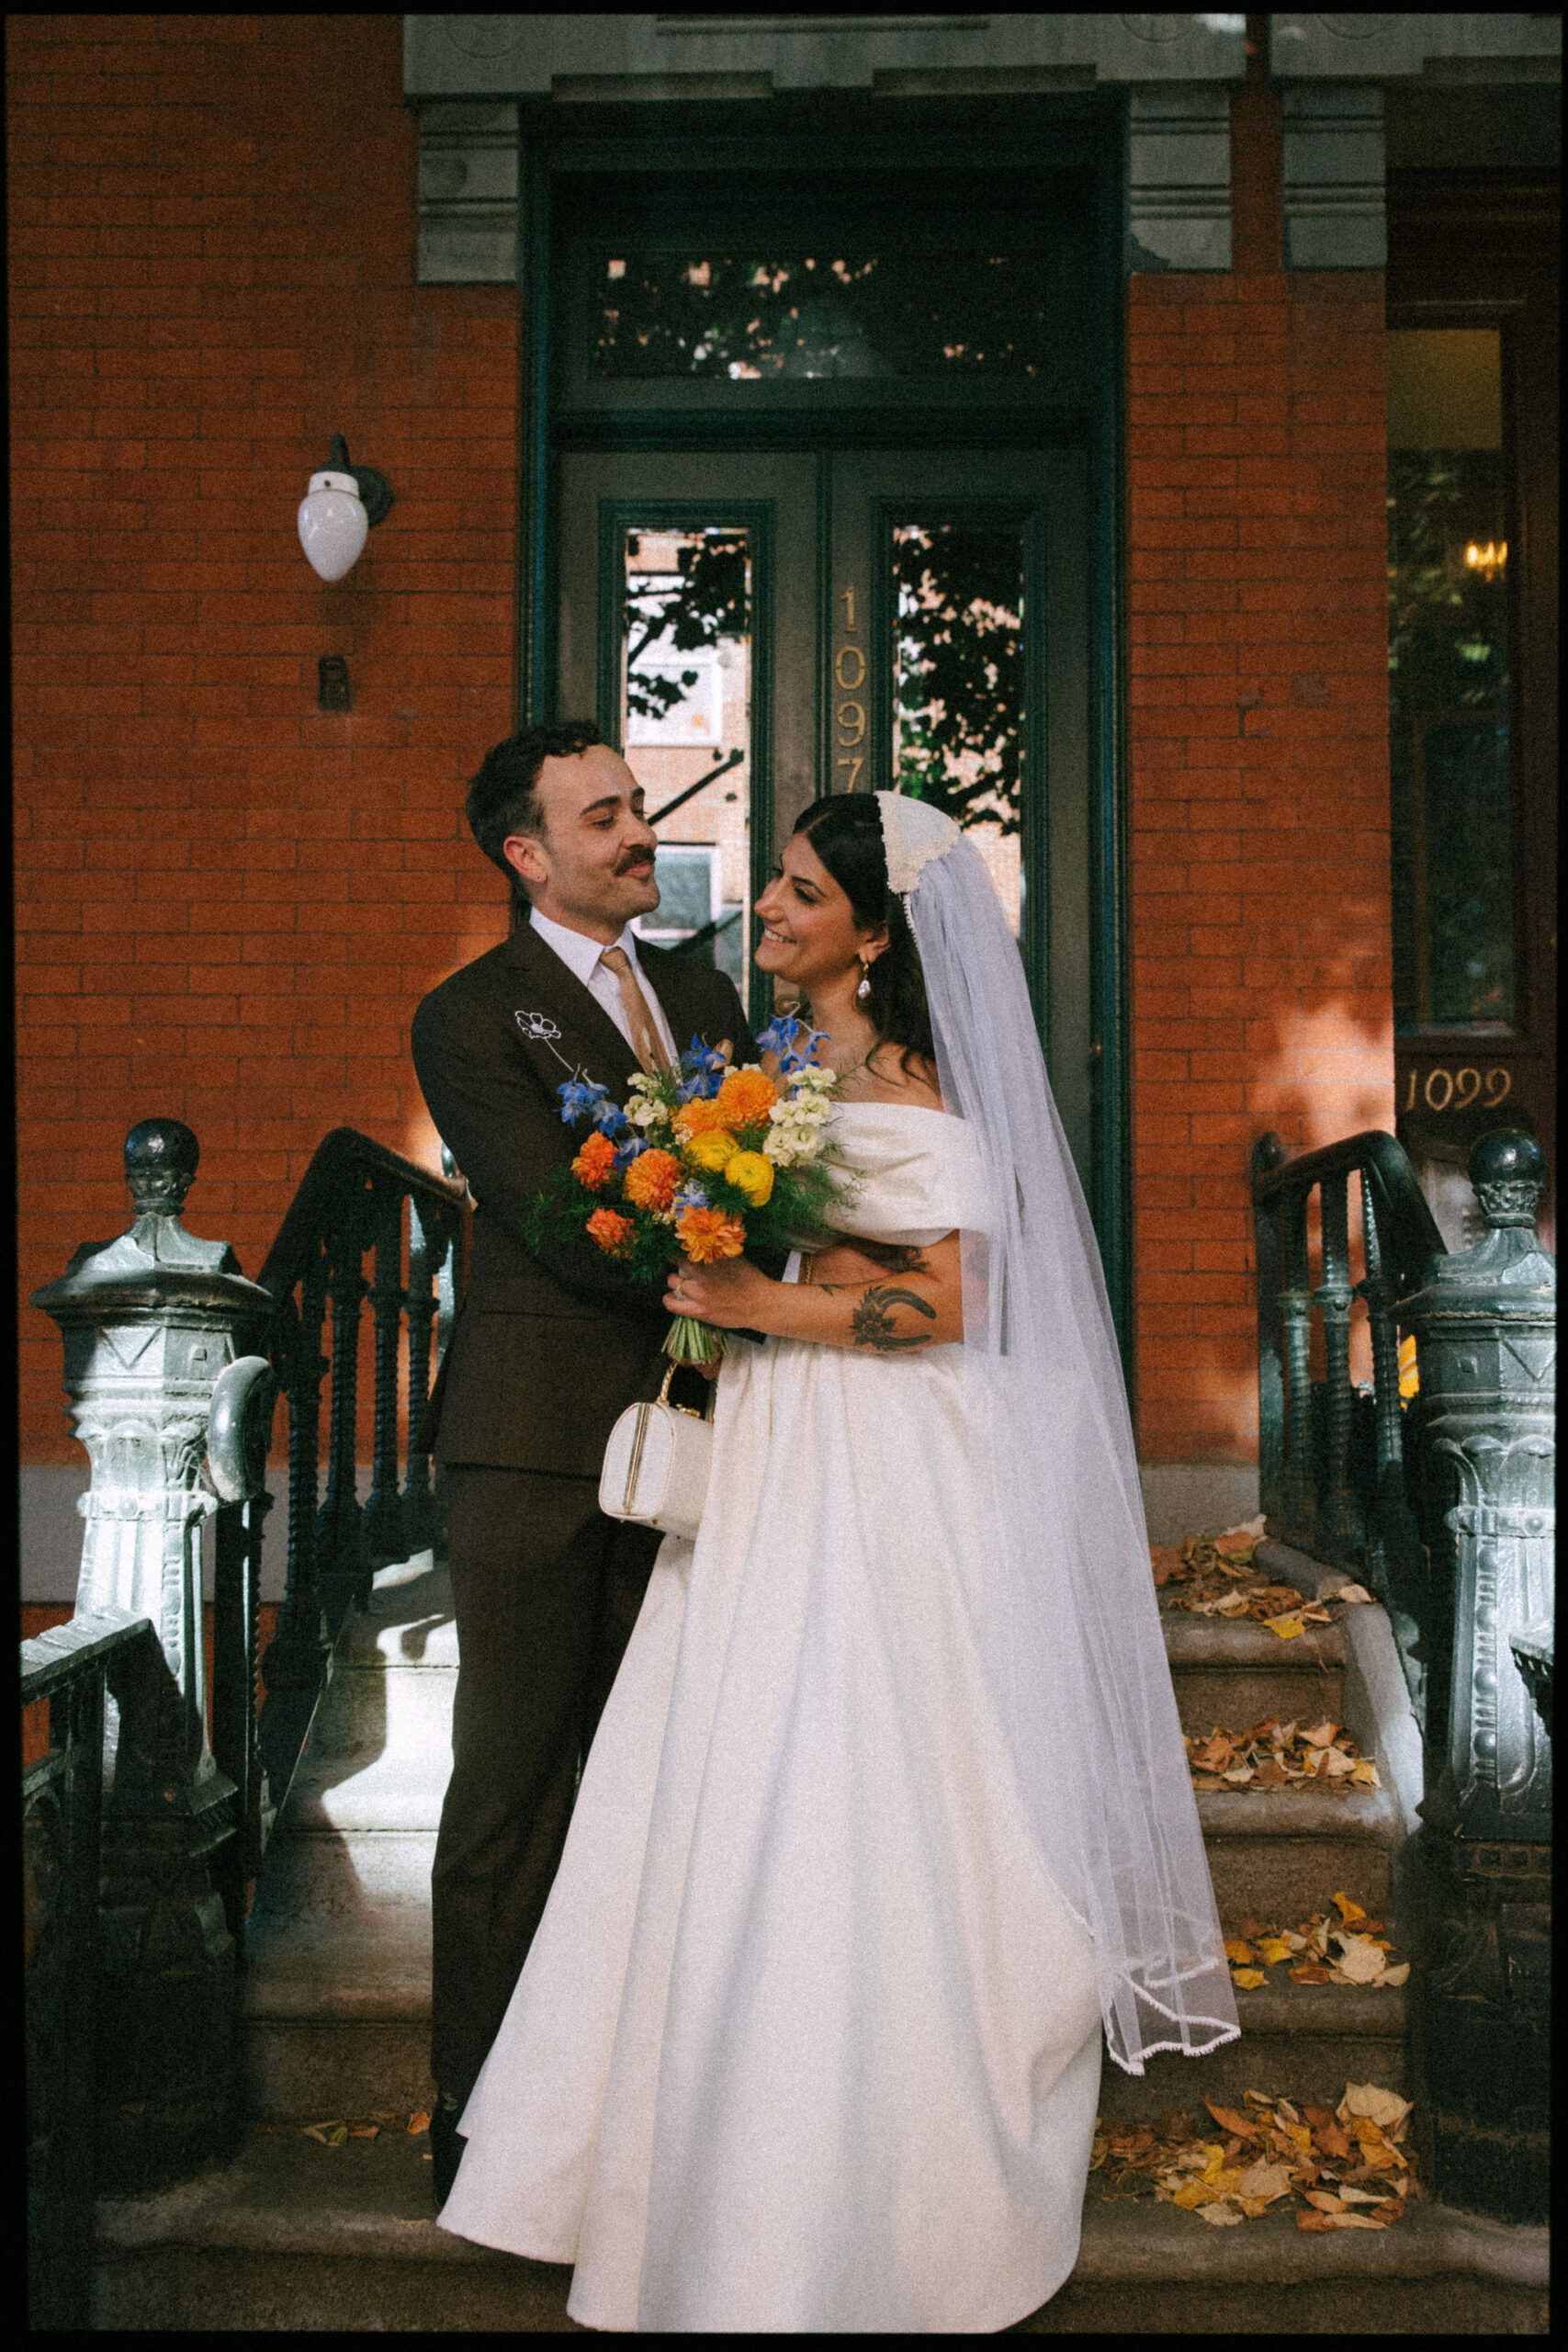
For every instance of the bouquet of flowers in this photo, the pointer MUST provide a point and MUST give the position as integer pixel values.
(700, 1161)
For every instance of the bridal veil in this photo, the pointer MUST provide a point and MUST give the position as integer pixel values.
(1070, 1630)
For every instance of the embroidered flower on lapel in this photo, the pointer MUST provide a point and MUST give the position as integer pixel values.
(537, 1024)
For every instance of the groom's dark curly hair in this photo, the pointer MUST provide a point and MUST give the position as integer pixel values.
(503, 798)
(845, 831)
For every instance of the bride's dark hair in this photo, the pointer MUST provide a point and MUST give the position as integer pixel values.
(845, 831)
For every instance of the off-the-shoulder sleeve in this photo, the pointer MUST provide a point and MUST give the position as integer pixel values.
(919, 1177)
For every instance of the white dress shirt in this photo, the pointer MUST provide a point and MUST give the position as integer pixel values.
(582, 956)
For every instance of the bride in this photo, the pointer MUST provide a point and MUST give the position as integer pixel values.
(887, 1815)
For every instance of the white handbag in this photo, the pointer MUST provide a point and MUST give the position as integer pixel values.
(656, 1465)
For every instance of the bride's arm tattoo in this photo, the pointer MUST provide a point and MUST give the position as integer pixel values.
(913, 1304)
(871, 1321)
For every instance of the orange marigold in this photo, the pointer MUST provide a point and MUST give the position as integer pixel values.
(651, 1178)
(594, 1161)
(611, 1231)
(746, 1097)
(698, 1118)
(706, 1234)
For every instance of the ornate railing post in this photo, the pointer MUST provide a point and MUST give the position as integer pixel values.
(1486, 1338)
(150, 1321)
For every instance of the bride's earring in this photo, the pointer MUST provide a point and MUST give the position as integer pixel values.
(864, 988)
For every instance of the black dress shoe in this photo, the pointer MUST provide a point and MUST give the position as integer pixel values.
(447, 2145)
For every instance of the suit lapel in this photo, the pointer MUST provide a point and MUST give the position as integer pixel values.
(585, 1042)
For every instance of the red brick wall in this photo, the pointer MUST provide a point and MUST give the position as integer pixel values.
(230, 902)
(1259, 820)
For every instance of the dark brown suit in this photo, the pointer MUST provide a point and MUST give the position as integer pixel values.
(548, 1348)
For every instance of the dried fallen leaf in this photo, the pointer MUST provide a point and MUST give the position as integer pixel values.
(1265, 2180)
(1348, 1910)
(1219, 2212)
(1397, 1975)
(1241, 1951)
(420, 2122)
(1287, 1628)
(1370, 2102)
(1362, 1961)
(1273, 1949)
(1229, 2121)
(1352, 1592)
(365, 2131)
(1249, 1979)
(330, 2135)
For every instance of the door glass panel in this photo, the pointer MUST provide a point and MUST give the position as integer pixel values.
(803, 315)
(958, 682)
(685, 727)
(1449, 684)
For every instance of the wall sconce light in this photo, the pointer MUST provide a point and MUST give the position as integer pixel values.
(342, 505)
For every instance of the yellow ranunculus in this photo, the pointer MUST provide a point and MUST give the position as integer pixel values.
(751, 1174)
(712, 1150)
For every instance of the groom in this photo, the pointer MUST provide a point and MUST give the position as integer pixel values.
(551, 1345)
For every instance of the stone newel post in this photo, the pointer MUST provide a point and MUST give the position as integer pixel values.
(1487, 1345)
(152, 1322)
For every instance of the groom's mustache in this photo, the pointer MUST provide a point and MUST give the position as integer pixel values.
(635, 858)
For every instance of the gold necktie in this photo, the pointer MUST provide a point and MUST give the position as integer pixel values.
(647, 1043)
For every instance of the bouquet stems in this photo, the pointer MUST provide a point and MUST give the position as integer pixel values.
(689, 1341)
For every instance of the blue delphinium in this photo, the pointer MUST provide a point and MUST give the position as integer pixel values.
(612, 1121)
(580, 1099)
(690, 1196)
(630, 1151)
(779, 1037)
(701, 1071)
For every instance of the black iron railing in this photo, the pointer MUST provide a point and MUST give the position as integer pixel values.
(71, 1668)
(1332, 1467)
(360, 1206)
(129, 1819)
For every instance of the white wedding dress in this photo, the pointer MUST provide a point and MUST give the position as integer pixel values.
(808, 2039)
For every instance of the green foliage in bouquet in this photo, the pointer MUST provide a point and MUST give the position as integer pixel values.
(701, 1162)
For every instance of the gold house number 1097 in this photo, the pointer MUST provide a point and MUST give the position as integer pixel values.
(849, 674)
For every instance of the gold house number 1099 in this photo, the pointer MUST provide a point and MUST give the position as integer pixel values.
(849, 674)
(1456, 1090)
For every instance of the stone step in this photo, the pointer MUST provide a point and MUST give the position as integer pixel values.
(1279, 1854)
(1237, 1675)
(1315, 2038)
(295, 2235)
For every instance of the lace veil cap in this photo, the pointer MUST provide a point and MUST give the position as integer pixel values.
(913, 833)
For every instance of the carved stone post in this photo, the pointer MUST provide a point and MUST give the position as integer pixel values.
(149, 1322)
(1486, 1344)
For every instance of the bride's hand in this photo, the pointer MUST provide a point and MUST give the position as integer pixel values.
(732, 1295)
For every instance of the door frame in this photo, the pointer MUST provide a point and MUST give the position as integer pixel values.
(1086, 131)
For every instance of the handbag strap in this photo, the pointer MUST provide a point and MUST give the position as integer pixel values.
(663, 1398)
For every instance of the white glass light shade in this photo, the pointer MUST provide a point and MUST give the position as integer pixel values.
(333, 526)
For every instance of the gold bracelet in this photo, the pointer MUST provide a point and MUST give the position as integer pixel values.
(805, 1268)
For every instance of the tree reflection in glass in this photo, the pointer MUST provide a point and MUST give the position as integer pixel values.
(686, 728)
(931, 314)
(958, 682)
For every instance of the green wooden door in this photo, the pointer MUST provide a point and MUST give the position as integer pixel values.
(755, 629)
